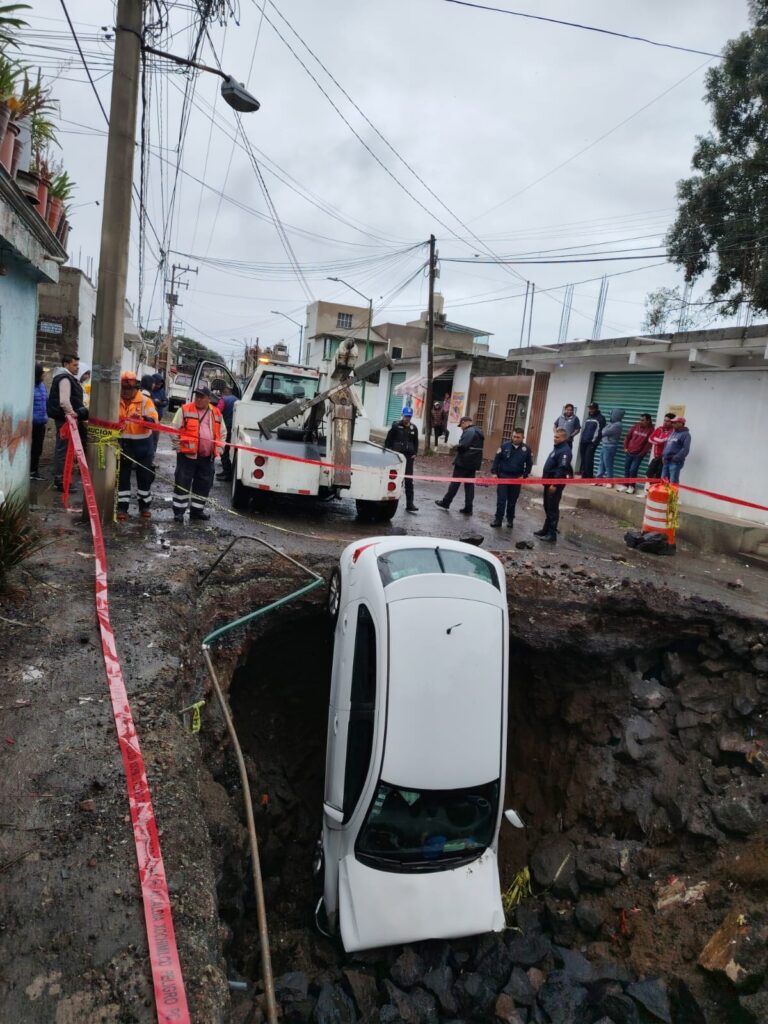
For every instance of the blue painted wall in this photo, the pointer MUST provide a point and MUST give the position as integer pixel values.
(18, 324)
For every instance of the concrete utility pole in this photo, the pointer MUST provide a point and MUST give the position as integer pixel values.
(427, 417)
(115, 233)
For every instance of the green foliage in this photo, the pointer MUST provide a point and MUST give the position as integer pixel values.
(10, 23)
(666, 311)
(722, 219)
(62, 187)
(18, 538)
(33, 98)
(187, 351)
(10, 76)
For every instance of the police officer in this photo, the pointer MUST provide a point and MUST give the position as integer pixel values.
(467, 461)
(403, 437)
(557, 466)
(513, 459)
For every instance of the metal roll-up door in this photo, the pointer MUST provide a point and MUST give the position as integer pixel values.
(636, 393)
(395, 404)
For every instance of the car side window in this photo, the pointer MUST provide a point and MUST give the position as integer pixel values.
(363, 703)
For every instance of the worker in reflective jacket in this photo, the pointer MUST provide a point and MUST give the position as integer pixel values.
(137, 413)
(200, 441)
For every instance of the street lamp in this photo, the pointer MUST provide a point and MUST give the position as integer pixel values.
(233, 93)
(338, 280)
(300, 326)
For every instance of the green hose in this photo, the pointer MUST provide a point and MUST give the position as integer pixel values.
(261, 611)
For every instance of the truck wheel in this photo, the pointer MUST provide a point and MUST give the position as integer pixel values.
(240, 493)
(334, 595)
(376, 511)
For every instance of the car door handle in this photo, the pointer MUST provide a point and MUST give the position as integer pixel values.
(335, 725)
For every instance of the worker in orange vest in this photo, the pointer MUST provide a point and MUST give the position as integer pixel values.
(200, 441)
(136, 411)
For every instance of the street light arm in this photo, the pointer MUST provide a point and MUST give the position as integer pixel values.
(233, 93)
(339, 280)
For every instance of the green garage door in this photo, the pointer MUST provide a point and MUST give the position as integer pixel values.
(636, 393)
(395, 404)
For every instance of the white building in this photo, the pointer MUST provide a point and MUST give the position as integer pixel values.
(717, 380)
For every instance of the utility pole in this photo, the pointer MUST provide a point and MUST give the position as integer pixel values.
(172, 298)
(109, 333)
(427, 414)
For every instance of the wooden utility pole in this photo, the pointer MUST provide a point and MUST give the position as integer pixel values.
(172, 298)
(109, 332)
(427, 413)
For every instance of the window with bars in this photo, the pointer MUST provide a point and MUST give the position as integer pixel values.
(480, 411)
(509, 418)
(344, 320)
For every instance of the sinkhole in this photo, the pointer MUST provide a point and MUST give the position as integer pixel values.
(629, 759)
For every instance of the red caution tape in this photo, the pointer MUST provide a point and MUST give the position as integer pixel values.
(479, 481)
(170, 997)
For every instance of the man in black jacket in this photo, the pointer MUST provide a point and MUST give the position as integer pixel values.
(65, 398)
(591, 435)
(469, 458)
(403, 437)
(557, 466)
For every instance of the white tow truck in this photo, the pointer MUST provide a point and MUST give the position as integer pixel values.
(285, 411)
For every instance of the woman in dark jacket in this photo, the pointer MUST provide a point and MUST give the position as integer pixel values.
(39, 421)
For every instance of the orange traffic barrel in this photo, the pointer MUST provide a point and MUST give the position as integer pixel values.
(660, 514)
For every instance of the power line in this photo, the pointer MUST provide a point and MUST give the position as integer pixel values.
(586, 28)
(590, 145)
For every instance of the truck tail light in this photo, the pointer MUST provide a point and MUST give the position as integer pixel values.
(393, 474)
(391, 486)
(260, 460)
(258, 474)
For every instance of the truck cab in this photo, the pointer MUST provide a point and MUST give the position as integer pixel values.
(305, 454)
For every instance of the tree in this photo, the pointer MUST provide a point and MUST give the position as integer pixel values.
(666, 309)
(722, 218)
(187, 351)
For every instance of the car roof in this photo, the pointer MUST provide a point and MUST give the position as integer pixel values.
(361, 559)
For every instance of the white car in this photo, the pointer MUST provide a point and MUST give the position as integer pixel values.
(417, 726)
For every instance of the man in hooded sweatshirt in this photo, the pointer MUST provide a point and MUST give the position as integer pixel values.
(636, 446)
(610, 442)
(676, 451)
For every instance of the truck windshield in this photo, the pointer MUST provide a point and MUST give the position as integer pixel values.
(427, 829)
(394, 565)
(281, 388)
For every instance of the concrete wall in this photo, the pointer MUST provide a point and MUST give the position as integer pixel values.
(725, 411)
(18, 322)
(71, 303)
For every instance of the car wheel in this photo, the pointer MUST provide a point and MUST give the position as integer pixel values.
(334, 595)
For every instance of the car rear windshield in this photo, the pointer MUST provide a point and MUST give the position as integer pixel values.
(423, 829)
(182, 378)
(395, 565)
(282, 388)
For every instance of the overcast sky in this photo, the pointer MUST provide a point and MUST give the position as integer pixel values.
(480, 105)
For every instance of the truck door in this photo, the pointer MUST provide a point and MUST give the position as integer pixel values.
(215, 376)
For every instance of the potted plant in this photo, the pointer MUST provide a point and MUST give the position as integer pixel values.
(60, 192)
(10, 72)
(10, 23)
(33, 99)
(43, 138)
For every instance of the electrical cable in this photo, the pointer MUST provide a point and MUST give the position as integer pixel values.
(586, 28)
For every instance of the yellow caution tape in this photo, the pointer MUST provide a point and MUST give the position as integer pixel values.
(196, 716)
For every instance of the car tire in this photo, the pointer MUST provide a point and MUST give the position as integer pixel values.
(376, 511)
(240, 493)
(333, 602)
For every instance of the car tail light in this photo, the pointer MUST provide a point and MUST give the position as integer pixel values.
(359, 551)
(258, 474)
(260, 460)
(391, 486)
(393, 474)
